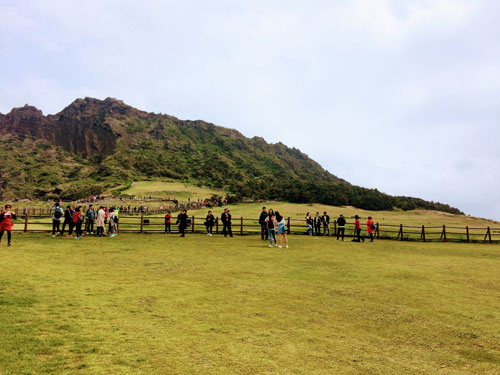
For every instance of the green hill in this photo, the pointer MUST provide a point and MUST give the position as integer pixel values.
(94, 145)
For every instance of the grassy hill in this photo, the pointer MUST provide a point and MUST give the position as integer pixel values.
(94, 145)
(200, 305)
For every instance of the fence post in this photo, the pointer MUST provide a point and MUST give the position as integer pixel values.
(288, 225)
(467, 231)
(192, 224)
(26, 223)
(241, 226)
(378, 232)
(117, 226)
(443, 235)
(334, 227)
(422, 236)
(217, 225)
(142, 223)
(488, 234)
(400, 232)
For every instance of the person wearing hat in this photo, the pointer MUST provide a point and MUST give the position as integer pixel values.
(226, 222)
(341, 227)
(6, 224)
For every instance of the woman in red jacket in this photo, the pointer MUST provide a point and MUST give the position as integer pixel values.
(370, 226)
(78, 220)
(6, 224)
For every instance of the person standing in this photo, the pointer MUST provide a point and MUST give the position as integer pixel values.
(280, 220)
(182, 222)
(168, 222)
(341, 227)
(101, 217)
(326, 223)
(317, 224)
(271, 227)
(263, 225)
(310, 223)
(78, 221)
(6, 224)
(370, 226)
(57, 215)
(113, 222)
(209, 223)
(226, 222)
(90, 216)
(357, 230)
(68, 219)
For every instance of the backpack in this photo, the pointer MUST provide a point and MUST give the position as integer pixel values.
(58, 213)
(373, 226)
(115, 219)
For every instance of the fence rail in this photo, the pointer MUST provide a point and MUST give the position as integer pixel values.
(243, 226)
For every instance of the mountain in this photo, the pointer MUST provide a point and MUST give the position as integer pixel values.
(93, 145)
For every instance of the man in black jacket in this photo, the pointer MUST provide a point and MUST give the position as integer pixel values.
(341, 227)
(326, 223)
(226, 222)
(68, 219)
(317, 224)
(182, 222)
(209, 223)
(263, 224)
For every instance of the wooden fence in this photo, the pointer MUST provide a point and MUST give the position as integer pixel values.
(244, 226)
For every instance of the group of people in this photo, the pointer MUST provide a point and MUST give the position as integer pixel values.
(183, 221)
(272, 224)
(74, 218)
(341, 223)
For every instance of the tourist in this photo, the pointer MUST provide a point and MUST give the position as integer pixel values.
(317, 224)
(282, 229)
(271, 227)
(341, 227)
(226, 222)
(310, 223)
(370, 226)
(263, 224)
(57, 215)
(209, 223)
(68, 219)
(326, 223)
(113, 222)
(6, 224)
(78, 221)
(168, 221)
(357, 230)
(182, 222)
(90, 218)
(100, 222)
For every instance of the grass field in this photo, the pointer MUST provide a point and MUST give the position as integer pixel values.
(171, 190)
(156, 304)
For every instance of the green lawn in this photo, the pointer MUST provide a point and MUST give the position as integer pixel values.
(183, 192)
(157, 304)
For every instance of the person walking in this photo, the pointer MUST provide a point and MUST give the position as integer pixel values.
(226, 222)
(317, 224)
(6, 223)
(90, 219)
(100, 222)
(326, 223)
(370, 226)
(263, 224)
(271, 227)
(168, 222)
(280, 220)
(341, 227)
(182, 222)
(68, 219)
(57, 215)
(310, 223)
(209, 223)
(78, 221)
(357, 230)
(113, 222)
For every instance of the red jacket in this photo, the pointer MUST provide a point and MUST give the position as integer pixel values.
(369, 225)
(6, 223)
(357, 224)
(76, 216)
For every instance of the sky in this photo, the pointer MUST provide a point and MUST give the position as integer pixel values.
(402, 96)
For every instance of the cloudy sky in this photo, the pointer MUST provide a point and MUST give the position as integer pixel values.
(399, 95)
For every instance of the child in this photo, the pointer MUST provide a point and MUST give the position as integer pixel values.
(168, 222)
